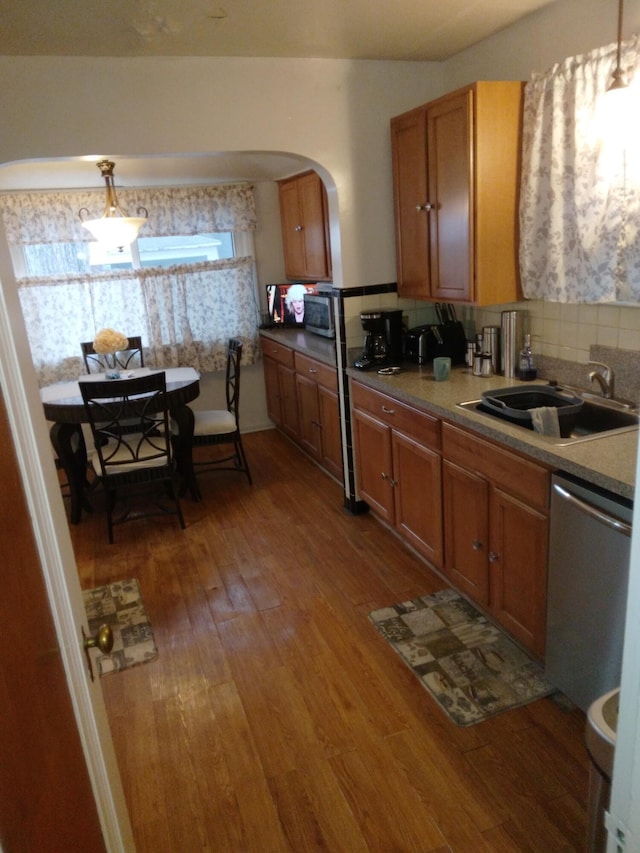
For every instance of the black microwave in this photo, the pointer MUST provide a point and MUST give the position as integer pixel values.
(318, 314)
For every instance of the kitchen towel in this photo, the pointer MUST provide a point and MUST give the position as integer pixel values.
(545, 420)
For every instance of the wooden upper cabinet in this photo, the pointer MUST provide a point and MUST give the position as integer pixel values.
(305, 227)
(456, 172)
(409, 144)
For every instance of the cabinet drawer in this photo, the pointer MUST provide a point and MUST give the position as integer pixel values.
(413, 422)
(509, 471)
(322, 373)
(277, 352)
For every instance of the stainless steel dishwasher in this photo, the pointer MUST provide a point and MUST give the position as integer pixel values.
(589, 550)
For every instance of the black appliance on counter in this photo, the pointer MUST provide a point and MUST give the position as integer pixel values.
(445, 338)
(383, 333)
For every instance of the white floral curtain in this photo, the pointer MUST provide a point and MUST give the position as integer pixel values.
(580, 194)
(185, 315)
(53, 216)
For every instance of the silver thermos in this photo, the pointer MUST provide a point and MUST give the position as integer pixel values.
(491, 345)
(511, 341)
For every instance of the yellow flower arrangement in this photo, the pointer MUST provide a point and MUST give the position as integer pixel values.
(109, 341)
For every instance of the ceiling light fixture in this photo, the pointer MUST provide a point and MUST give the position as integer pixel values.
(114, 228)
(619, 79)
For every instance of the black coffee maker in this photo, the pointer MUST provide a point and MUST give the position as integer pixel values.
(382, 339)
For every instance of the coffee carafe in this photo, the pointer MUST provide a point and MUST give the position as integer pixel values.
(382, 339)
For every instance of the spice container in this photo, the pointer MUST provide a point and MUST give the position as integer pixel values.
(486, 368)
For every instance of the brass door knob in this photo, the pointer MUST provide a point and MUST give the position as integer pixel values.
(103, 640)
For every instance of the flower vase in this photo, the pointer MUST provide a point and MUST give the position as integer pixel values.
(111, 364)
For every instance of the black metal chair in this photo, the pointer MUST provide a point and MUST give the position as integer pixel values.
(221, 426)
(129, 420)
(126, 360)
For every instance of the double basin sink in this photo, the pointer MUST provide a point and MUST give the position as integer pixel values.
(583, 416)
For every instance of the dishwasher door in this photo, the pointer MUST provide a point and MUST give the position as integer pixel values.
(589, 550)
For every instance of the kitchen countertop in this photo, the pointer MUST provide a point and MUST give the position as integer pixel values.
(324, 349)
(606, 462)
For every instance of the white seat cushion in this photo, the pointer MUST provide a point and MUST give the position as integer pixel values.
(215, 422)
(123, 454)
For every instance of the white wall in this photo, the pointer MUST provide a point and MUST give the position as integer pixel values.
(336, 113)
(333, 112)
(561, 29)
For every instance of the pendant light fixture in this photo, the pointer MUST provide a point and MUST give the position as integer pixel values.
(619, 79)
(114, 228)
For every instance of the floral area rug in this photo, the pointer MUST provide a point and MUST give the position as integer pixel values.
(120, 606)
(471, 668)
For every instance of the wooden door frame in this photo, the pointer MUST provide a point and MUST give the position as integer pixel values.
(28, 427)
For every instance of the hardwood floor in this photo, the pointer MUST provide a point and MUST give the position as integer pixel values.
(276, 719)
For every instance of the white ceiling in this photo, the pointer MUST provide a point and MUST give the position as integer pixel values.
(420, 30)
(334, 29)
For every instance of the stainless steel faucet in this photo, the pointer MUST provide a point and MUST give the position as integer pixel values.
(605, 379)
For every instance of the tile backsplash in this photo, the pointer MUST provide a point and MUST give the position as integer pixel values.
(569, 331)
(557, 330)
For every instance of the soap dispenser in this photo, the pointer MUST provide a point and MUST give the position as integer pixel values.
(526, 363)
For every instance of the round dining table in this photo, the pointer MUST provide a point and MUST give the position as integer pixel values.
(64, 407)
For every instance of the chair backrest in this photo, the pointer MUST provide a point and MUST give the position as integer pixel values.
(125, 360)
(234, 355)
(129, 420)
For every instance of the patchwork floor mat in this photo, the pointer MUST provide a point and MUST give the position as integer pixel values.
(469, 666)
(120, 606)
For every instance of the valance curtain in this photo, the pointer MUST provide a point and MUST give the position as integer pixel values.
(580, 197)
(53, 216)
(185, 313)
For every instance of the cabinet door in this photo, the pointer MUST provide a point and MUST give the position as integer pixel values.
(313, 209)
(518, 560)
(305, 231)
(374, 462)
(309, 433)
(449, 164)
(329, 409)
(418, 496)
(292, 236)
(410, 198)
(288, 398)
(272, 389)
(466, 524)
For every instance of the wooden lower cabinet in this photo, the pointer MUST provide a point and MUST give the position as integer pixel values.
(319, 423)
(283, 393)
(331, 430)
(466, 513)
(518, 578)
(496, 532)
(302, 401)
(398, 468)
(280, 386)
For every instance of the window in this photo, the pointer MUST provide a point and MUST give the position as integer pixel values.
(185, 293)
(60, 258)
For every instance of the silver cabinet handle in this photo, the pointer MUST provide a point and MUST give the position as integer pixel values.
(298, 228)
(476, 545)
(388, 411)
(493, 557)
(424, 207)
(312, 370)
